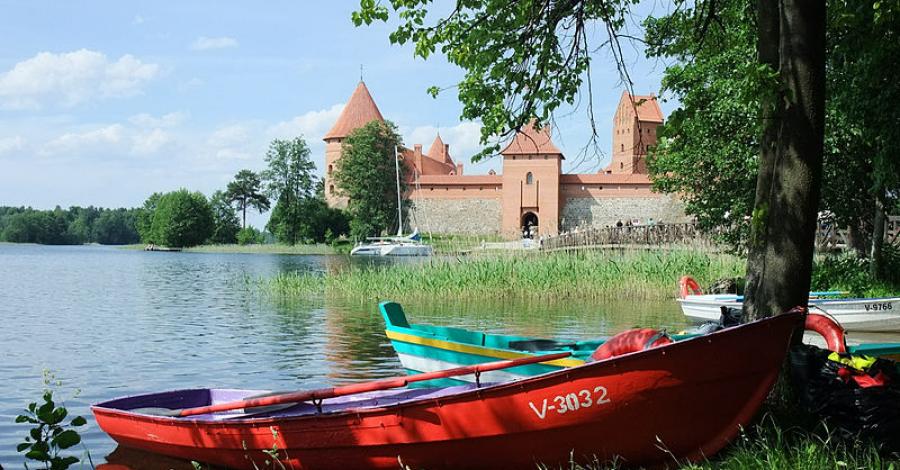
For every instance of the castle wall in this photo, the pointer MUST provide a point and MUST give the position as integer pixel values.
(595, 211)
(469, 215)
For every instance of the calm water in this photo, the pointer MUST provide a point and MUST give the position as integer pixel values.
(110, 322)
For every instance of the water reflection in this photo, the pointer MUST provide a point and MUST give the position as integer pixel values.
(112, 322)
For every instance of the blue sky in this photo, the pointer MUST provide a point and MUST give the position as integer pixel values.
(105, 102)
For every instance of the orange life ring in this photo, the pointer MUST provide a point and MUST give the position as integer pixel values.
(828, 329)
(688, 286)
(625, 342)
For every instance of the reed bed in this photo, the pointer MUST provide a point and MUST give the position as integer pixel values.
(644, 275)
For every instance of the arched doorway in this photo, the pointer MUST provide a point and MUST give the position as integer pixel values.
(529, 225)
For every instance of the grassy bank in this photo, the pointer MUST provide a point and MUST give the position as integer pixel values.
(269, 248)
(556, 276)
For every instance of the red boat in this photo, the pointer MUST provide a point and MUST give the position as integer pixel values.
(684, 400)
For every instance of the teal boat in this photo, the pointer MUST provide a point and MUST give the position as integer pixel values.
(428, 348)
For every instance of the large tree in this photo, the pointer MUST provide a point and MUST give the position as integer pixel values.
(366, 174)
(524, 59)
(225, 221)
(246, 191)
(289, 181)
(181, 219)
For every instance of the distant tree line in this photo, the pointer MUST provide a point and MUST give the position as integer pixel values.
(184, 218)
(72, 226)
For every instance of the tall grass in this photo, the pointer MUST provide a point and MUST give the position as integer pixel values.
(556, 276)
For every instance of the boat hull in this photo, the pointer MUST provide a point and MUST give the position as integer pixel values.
(684, 400)
(855, 315)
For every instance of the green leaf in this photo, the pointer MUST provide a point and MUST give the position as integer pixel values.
(78, 421)
(21, 447)
(35, 433)
(66, 439)
(39, 455)
(57, 415)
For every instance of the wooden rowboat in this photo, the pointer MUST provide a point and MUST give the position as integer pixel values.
(428, 348)
(684, 400)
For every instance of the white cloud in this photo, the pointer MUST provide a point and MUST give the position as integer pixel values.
(463, 138)
(204, 43)
(11, 144)
(77, 142)
(72, 78)
(230, 135)
(138, 19)
(166, 120)
(144, 143)
(312, 125)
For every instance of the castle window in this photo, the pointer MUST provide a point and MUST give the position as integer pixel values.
(621, 165)
(623, 147)
(330, 169)
(529, 178)
(331, 189)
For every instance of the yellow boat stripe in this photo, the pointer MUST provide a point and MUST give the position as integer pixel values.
(477, 350)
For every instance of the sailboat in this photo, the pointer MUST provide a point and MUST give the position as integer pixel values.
(399, 245)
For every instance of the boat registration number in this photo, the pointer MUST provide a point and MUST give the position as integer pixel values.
(570, 402)
(879, 307)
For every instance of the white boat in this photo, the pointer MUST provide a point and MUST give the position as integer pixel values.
(393, 246)
(865, 314)
(399, 245)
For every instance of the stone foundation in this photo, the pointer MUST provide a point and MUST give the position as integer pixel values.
(477, 216)
(602, 212)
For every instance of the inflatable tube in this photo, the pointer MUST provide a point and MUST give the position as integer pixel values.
(630, 341)
(828, 329)
(688, 286)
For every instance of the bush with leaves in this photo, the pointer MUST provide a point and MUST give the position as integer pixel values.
(50, 435)
(250, 236)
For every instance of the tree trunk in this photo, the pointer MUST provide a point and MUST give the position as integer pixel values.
(779, 265)
(244, 210)
(875, 268)
(856, 239)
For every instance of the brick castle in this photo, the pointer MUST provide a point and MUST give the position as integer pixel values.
(531, 194)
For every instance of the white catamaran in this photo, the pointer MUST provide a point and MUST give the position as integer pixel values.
(399, 245)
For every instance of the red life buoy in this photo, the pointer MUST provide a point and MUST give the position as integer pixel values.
(828, 329)
(688, 286)
(630, 341)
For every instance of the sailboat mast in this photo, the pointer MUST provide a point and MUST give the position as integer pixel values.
(399, 209)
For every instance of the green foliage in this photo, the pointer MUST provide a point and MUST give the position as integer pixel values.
(850, 273)
(225, 221)
(145, 218)
(290, 181)
(521, 59)
(366, 175)
(250, 236)
(709, 146)
(246, 191)
(556, 276)
(181, 219)
(73, 226)
(50, 435)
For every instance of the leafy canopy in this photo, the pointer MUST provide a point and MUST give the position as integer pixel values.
(246, 192)
(522, 59)
(366, 175)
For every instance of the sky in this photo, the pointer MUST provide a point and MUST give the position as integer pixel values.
(105, 102)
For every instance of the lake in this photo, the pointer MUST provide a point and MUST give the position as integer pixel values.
(109, 322)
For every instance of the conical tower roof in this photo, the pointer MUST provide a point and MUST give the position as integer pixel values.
(438, 151)
(359, 111)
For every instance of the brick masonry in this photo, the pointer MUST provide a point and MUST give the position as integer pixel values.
(601, 212)
(477, 216)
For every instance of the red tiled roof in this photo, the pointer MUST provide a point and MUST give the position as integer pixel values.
(647, 107)
(530, 141)
(359, 111)
(438, 151)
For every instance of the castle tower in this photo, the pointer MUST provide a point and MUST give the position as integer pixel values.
(531, 168)
(634, 133)
(359, 111)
